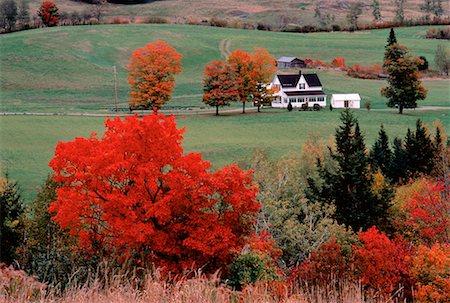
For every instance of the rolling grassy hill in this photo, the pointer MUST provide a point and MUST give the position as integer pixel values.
(68, 69)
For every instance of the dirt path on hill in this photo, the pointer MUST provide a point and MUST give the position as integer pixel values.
(224, 47)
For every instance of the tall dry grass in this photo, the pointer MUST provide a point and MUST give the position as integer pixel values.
(123, 287)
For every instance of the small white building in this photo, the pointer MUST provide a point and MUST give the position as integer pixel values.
(345, 101)
(298, 89)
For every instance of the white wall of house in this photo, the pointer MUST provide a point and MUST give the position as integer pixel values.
(282, 99)
(345, 100)
(296, 101)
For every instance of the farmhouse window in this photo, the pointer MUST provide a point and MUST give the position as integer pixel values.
(320, 99)
(292, 99)
(346, 103)
(312, 99)
(301, 85)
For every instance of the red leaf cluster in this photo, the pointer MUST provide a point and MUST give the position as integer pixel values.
(338, 62)
(48, 13)
(381, 263)
(134, 191)
(426, 213)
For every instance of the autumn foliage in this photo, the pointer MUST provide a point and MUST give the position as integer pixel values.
(134, 192)
(241, 78)
(151, 75)
(423, 214)
(431, 269)
(48, 11)
(338, 62)
(219, 86)
(381, 262)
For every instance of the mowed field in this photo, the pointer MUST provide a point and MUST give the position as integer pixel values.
(66, 70)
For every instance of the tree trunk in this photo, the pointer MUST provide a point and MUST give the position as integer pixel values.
(259, 106)
(217, 110)
(400, 109)
(243, 107)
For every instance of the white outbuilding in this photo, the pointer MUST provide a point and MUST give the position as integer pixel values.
(345, 100)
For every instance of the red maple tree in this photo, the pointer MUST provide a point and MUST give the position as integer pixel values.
(382, 263)
(48, 11)
(425, 216)
(134, 191)
(151, 75)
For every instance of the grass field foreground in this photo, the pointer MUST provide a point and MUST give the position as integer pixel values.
(28, 142)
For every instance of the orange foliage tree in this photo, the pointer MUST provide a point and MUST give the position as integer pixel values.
(218, 85)
(135, 193)
(48, 11)
(151, 75)
(264, 65)
(431, 269)
(242, 66)
(242, 78)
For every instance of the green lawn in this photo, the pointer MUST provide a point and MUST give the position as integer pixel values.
(69, 69)
(28, 142)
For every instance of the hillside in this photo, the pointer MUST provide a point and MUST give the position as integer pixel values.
(276, 13)
(70, 68)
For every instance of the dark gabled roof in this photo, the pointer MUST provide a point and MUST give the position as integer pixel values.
(288, 80)
(312, 80)
(305, 93)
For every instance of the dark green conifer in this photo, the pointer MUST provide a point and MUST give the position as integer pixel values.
(381, 154)
(391, 39)
(11, 210)
(350, 187)
(398, 167)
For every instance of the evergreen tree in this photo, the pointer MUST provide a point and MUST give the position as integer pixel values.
(381, 154)
(398, 167)
(391, 39)
(420, 151)
(11, 210)
(50, 254)
(350, 187)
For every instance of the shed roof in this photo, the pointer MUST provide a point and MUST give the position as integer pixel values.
(286, 59)
(346, 97)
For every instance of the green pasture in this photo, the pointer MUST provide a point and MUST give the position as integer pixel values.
(68, 69)
(28, 142)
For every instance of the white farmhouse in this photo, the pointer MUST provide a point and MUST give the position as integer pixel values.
(298, 89)
(345, 101)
